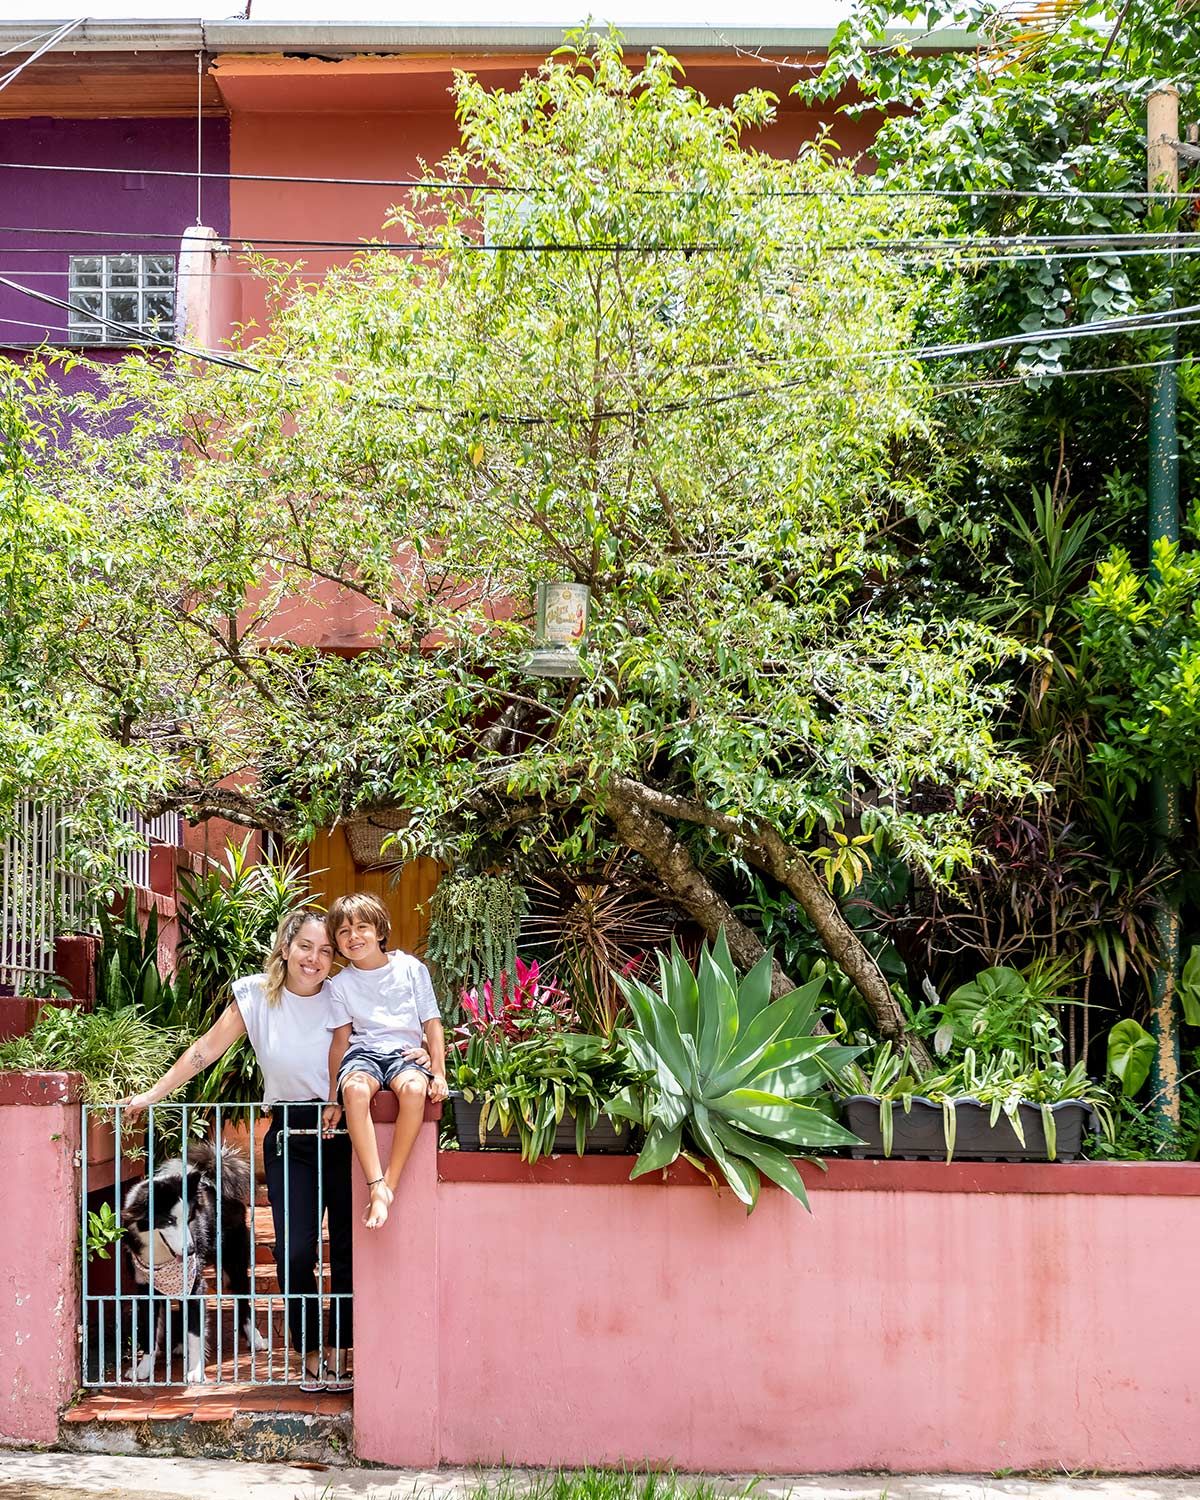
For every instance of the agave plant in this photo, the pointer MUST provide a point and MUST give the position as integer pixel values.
(730, 1069)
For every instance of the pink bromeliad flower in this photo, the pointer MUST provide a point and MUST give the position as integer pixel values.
(510, 1008)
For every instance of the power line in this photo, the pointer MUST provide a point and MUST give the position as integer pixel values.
(535, 190)
(1095, 244)
(25, 45)
(1181, 317)
(61, 34)
(1039, 375)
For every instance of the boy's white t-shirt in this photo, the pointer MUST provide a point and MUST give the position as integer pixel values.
(290, 1040)
(385, 1007)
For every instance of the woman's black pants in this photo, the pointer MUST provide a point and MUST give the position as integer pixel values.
(306, 1175)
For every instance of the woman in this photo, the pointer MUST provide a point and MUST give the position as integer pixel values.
(284, 1012)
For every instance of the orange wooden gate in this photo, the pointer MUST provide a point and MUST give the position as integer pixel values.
(404, 892)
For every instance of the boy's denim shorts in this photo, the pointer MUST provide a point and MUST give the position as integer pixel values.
(382, 1066)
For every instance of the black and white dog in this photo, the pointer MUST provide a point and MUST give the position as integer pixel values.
(184, 1208)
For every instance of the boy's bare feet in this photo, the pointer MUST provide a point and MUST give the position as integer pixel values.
(381, 1200)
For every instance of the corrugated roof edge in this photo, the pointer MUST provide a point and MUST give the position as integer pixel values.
(334, 39)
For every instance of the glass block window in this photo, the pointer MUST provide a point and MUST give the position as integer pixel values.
(137, 291)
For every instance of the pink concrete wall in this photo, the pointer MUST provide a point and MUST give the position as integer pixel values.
(569, 1317)
(39, 1292)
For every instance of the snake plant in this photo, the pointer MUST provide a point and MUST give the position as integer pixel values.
(729, 1070)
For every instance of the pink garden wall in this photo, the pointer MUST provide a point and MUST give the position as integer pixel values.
(39, 1294)
(954, 1319)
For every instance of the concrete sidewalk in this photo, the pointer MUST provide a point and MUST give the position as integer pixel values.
(68, 1476)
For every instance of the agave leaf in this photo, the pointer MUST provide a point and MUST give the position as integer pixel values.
(661, 1149)
(754, 992)
(740, 1176)
(786, 1052)
(717, 1021)
(782, 1119)
(624, 1105)
(723, 959)
(657, 1023)
(886, 1126)
(787, 1019)
(683, 992)
(770, 1161)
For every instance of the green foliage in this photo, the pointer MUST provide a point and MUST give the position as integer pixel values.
(1001, 1080)
(229, 914)
(127, 972)
(474, 922)
(57, 738)
(118, 1052)
(1142, 630)
(1131, 1053)
(729, 1070)
(1002, 1010)
(104, 1230)
(720, 442)
(530, 1082)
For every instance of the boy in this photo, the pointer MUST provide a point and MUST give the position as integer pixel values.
(382, 1006)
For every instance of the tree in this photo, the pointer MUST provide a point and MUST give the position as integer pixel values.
(664, 378)
(58, 736)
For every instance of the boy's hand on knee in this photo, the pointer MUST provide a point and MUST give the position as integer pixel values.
(439, 1089)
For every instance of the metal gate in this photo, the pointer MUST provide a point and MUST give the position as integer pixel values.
(215, 1247)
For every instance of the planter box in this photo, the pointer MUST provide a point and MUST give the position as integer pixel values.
(101, 1145)
(920, 1134)
(604, 1136)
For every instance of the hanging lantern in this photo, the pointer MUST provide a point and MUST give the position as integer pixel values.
(562, 617)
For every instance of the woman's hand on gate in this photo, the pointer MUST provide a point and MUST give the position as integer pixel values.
(136, 1104)
(331, 1118)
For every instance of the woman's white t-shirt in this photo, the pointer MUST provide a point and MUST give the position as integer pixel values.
(290, 1040)
(386, 1007)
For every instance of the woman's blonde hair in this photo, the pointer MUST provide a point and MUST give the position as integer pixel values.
(275, 969)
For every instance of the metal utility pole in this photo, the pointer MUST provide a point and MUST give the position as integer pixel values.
(1162, 177)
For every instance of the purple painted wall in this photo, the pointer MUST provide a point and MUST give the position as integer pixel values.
(131, 207)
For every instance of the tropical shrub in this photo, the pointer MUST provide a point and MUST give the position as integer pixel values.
(729, 1070)
(529, 1082)
(118, 1052)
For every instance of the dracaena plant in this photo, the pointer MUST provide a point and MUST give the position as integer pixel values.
(734, 1074)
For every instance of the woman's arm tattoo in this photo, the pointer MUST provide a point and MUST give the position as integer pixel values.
(197, 1058)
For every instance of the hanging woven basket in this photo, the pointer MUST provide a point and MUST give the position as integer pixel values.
(365, 835)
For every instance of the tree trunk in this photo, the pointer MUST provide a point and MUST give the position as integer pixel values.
(653, 839)
(762, 846)
(789, 867)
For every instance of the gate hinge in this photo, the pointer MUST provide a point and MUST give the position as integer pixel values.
(77, 1157)
(79, 1332)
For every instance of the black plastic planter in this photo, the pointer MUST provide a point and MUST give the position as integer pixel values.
(604, 1136)
(919, 1134)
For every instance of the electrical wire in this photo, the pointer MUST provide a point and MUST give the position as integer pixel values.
(961, 258)
(1183, 317)
(27, 43)
(465, 185)
(61, 34)
(1095, 244)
